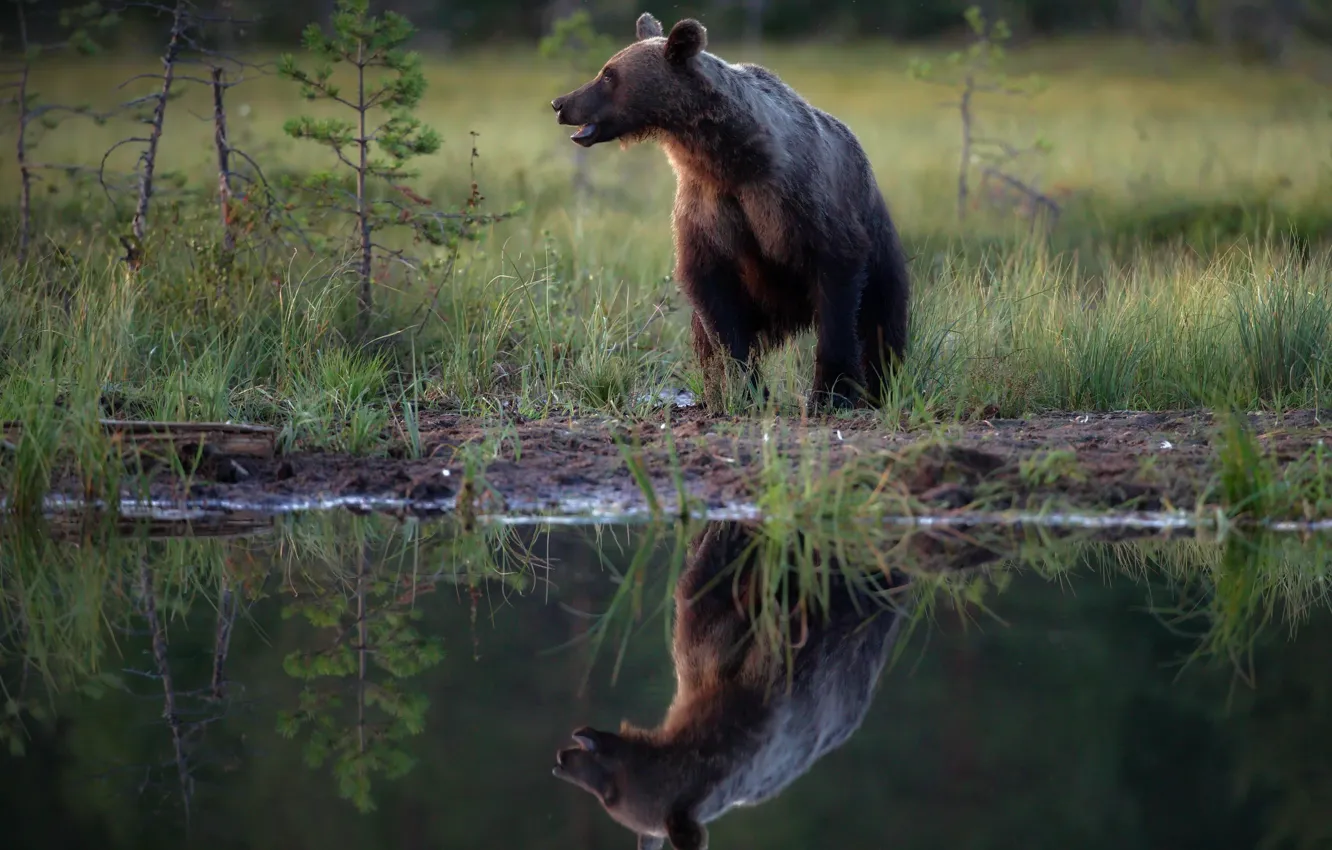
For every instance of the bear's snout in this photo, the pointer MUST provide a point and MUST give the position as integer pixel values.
(567, 109)
(562, 108)
(574, 110)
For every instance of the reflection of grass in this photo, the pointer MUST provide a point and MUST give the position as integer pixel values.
(626, 606)
(65, 600)
(1232, 592)
(66, 603)
(1224, 594)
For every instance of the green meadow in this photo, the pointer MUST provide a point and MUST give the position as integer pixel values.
(1188, 267)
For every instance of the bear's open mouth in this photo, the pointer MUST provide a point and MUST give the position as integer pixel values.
(585, 135)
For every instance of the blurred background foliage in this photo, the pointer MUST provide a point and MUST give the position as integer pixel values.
(1264, 29)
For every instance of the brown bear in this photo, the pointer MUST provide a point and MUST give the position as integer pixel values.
(747, 719)
(779, 223)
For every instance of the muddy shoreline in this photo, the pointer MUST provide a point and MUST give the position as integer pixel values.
(1128, 461)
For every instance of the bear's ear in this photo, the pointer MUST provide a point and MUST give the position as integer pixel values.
(648, 27)
(687, 40)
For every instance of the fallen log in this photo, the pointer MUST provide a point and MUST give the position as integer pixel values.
(161, 438)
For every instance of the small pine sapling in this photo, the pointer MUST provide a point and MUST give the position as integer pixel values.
(978, 71)
(366, 43)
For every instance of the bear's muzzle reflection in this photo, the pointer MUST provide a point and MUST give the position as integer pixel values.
(751, 713)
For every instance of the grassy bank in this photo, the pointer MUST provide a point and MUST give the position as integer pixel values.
(1189, 268)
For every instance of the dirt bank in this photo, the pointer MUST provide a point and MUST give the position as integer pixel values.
(1139, 461)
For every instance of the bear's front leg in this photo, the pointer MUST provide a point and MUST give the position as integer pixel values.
(713, 360)
(837, 371)
(710, 361)
(725, 324)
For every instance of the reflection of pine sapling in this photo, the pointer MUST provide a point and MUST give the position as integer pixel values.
(995, 159)
(366, 43)
(33, 115)
(574, 41)
(369, 629)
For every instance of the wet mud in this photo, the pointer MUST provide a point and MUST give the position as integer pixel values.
(1071, 462)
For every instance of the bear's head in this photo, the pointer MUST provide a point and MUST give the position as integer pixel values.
(649, 86)
(639, 783)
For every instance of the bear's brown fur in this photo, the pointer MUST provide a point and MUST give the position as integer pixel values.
(779, 223)
(746, 720)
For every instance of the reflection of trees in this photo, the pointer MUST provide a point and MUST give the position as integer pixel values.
(69, 592)
(188, 714)
(157, 635)
(368, 622)
(226, 621)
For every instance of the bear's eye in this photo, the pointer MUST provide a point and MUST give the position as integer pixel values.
(608, 76)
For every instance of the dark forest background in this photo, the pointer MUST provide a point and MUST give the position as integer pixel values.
(1274, 24)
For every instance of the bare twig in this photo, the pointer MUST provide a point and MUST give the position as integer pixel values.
(223, 160)
(25, 173)
(965, 107)
(1037, 197)
(101, 168)
(362, 207)
(177, 77)
(149, 159)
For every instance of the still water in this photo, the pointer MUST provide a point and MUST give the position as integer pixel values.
(333, 680)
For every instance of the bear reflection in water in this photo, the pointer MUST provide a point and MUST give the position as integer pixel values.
(749, 715)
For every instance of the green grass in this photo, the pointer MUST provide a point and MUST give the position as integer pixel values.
(1187, 270)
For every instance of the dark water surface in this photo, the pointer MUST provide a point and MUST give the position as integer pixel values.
(339, 681)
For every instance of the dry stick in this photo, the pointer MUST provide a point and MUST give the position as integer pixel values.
(164, 673)
(223, 160)
(159, 115)
(25, 172)
(1037, 197)
(966, 148)
(362, 213)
